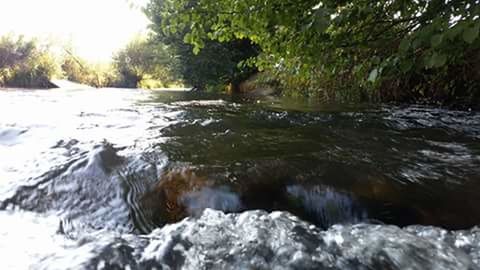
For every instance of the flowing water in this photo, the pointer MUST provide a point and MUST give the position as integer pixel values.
(307, 186)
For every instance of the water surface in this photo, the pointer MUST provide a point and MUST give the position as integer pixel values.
(81, 160)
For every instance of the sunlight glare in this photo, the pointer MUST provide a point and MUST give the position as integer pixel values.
(94, 28)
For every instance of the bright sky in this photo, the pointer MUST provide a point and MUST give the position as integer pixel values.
(96, 28)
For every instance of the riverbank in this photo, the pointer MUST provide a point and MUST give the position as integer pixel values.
(447, 92)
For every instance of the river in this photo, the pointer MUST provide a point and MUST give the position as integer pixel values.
(287, 184)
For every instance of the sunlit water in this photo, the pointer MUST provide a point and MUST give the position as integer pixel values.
(75, 164)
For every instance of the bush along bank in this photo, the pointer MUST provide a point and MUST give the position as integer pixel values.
(25, 64)
(390, 51)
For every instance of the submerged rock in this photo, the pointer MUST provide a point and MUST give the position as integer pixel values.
(165, 203)
(180, 193)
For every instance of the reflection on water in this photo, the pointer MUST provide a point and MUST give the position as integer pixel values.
(90, 158)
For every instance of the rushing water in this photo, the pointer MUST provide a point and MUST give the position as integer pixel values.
(77, 165)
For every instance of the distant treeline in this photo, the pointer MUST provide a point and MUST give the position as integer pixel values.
(30, 63)
(387, 50)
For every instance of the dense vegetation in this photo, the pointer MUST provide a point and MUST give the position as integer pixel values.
(353, 50)
(24, 63)
(146, 64)
(211, 68)
(423, 50)
(78, 70)
(29, 63)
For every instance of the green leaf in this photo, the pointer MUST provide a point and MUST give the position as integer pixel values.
(196, 49)
(404, 45)
(406, 65)
(471, 33)
(417, 42)
(322, 20)
(373, 75)
(187, 38)
(456, 30)
(435, 60)
(439, 60)
(436, 40)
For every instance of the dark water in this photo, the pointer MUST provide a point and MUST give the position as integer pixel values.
(75, 165)
(400, 165)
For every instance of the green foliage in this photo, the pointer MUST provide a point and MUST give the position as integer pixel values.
(215, 66)
(144, 64)
(141, 64)
(30, 64)
(218, 63)
(25, 63)
(78, 70)
(358, 44)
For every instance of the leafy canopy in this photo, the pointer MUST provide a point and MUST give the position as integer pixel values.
(216, 65)
(366, 39)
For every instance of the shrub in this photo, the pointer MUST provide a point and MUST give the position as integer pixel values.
(25, 63)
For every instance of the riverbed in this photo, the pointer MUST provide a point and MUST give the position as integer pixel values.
(293, 184)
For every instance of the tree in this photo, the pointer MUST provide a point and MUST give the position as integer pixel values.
(216, 65)
(25, 63)
(142, 59)
(353, 43)
(78, 70)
